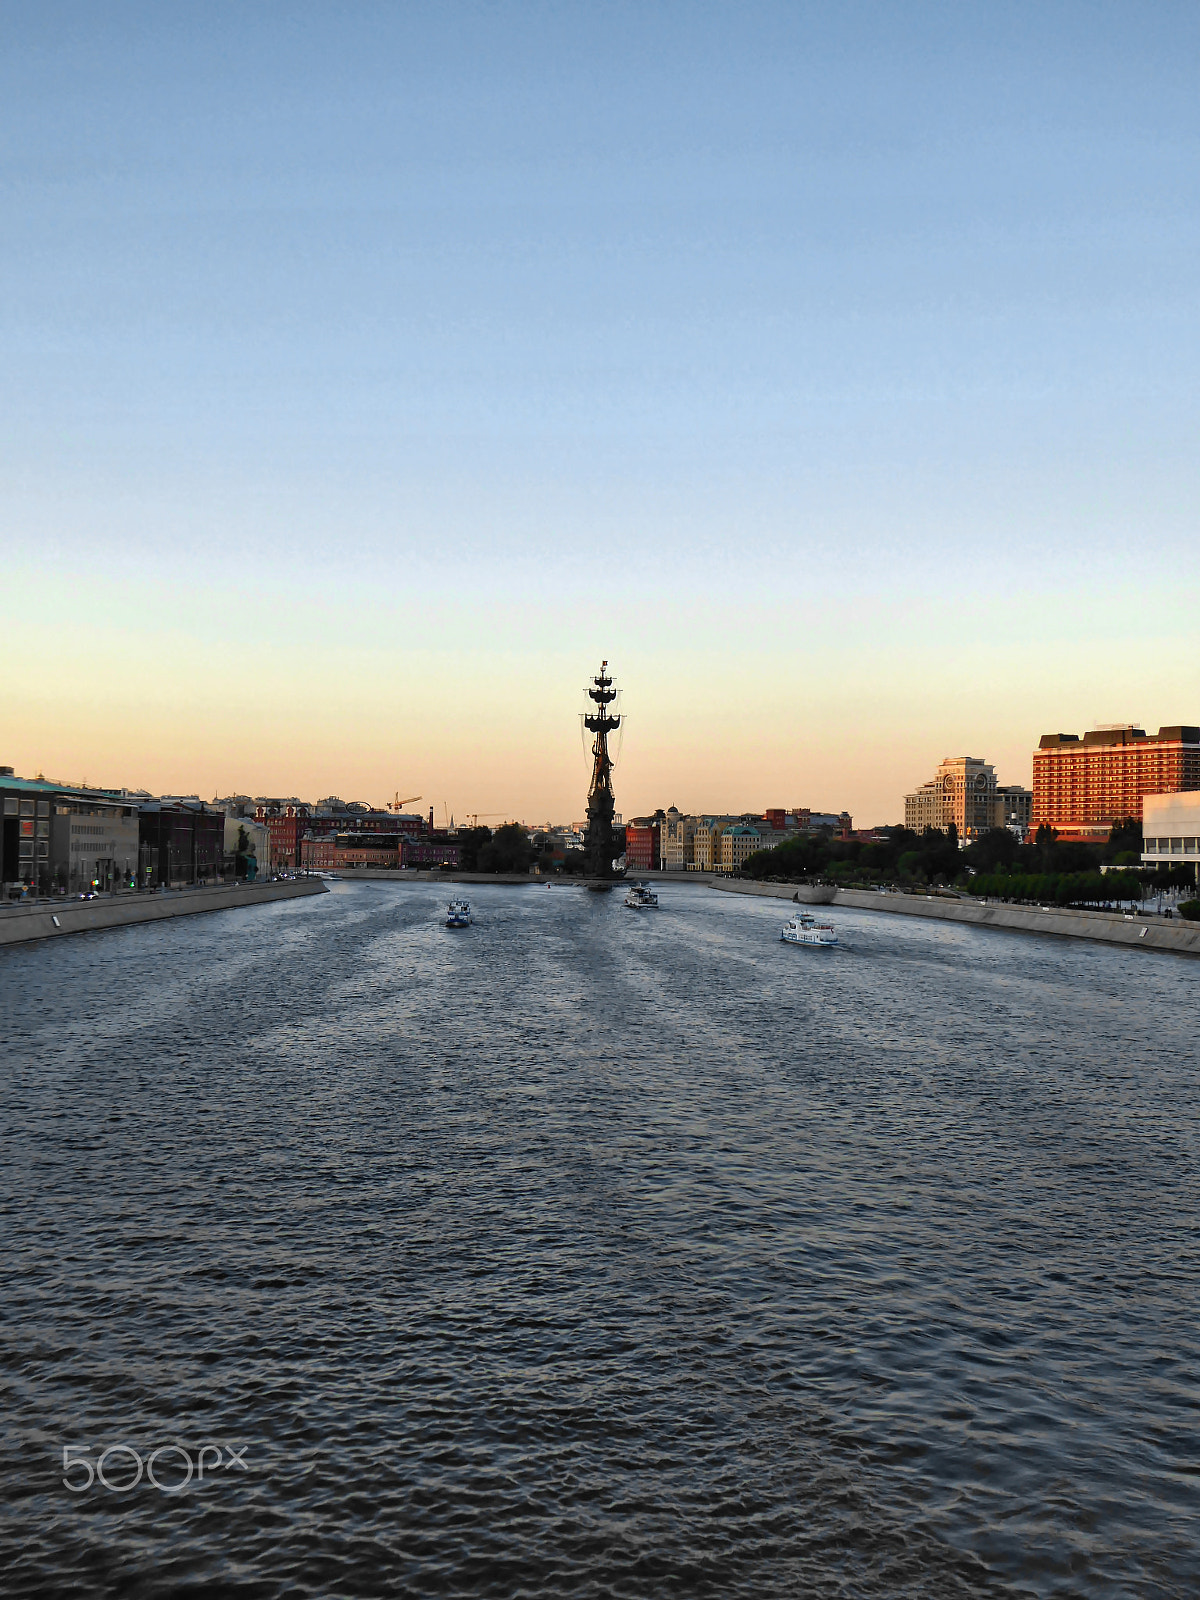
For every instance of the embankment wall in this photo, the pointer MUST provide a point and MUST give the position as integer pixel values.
(1180, 938)
(48, 920)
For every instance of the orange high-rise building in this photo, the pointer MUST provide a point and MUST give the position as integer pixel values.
(1082, 787)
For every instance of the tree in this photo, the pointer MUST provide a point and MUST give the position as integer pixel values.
(470, 842)
(508, 850)
(909, 865)
(992, 852)
(1125, 841)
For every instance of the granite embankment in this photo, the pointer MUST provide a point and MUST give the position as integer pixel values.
(1181, 938)
(49, 918)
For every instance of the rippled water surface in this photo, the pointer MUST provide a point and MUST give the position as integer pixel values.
(589, 1252)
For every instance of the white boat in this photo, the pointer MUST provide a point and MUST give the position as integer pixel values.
(803, 928)
(640, 897)
(458, 914)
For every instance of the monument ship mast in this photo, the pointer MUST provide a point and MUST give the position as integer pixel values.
(598, 847)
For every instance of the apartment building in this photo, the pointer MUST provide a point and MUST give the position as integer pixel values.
(678, 842)
(1081, 787)
(706, 842)
(738, 841)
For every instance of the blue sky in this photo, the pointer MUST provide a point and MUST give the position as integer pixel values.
(841, 360)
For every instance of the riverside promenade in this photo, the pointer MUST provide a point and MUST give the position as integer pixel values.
(47, 919)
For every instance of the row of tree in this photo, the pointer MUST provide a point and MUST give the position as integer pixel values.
(1060, 888)
(1047, 869)
(509, 849)
(505, 850)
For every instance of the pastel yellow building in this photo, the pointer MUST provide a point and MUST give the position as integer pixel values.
(706, 843)
(677, 841)
(738, 841)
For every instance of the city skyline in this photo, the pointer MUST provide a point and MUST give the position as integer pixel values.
(339, 348)
(651, 793)
(445, 805)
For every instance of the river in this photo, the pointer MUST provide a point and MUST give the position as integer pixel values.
(592, 1252)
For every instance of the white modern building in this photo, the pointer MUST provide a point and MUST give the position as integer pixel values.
(1171, 830)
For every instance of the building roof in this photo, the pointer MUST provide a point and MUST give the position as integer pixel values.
(1125, 733)
(42, 786)
(168, 804)
(36, 785)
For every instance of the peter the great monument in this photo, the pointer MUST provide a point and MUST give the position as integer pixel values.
(598, 846)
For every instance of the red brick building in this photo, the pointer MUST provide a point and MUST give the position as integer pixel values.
(330, 853)
(641, 845)
(338, 852)
(1081, 787)
(286, 825)
(437, 850)
(290, 822)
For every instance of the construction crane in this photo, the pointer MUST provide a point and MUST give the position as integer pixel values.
(474, 816)
(399, 805)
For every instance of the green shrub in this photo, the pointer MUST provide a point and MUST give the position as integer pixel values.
(1189, 909)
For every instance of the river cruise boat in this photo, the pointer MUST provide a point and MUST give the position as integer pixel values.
(640, 897)
(803, 928)
(458, 914)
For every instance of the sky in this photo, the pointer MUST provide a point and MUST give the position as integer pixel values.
(368, 373)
